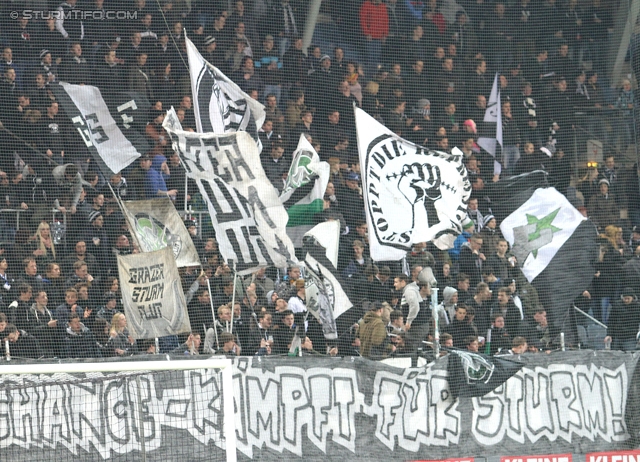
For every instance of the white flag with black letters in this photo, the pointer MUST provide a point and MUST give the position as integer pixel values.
(219, 105)
(152, 295)
(411, 194)
(246, 212)
(111, 127)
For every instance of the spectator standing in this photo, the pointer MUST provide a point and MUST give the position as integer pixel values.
(459, 328)
(471, 259)
(624, 126)
(510, 138)
(602, 207)
(107, 71)
(269, 66)
(40, 323)
(69, 22)
(295, 64)
(140, 77)
(500, 338)
(624, 322)
(275, 165)
(374, 343)
(374, 24)
(247, 78)
(75, 68)
(120, 341)
(80, 341)
(21, 344)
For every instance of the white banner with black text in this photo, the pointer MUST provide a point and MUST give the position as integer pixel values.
(247, 214)
(152, 295)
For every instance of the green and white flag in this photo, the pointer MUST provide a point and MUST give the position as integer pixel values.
(539, 228)
(555, 245)
(155, 224)
(303, 193)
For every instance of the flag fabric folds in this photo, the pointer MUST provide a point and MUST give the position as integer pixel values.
(326, 299)
(306, 169)
(245, 210)
(632, 407)
(327, 235)
(539, 228)
(156, 224)
(554, 245)
(319, 298)
(112, 129)
(411, 194)
(491, 128)
(152, 295)
(508, 194)
(303, 192)
(472, 375)
(219, 105)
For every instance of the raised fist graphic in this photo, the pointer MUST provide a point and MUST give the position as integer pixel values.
(420, 185)
(420, 181)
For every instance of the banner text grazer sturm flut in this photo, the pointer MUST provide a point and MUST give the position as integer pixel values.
(246, 212)
(351, 409)
(152, 294)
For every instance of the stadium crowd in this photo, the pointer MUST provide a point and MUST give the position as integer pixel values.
(426, 72)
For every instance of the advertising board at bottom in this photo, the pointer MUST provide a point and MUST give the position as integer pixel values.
(609, 456)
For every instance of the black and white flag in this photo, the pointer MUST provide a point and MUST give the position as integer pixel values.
(245, 209)
(219, 105)
(474, 375)
(555, 245)
(112, 128)
(152, 295)
(156, 224)
(491, 127)
(326, 299)
(411, 194)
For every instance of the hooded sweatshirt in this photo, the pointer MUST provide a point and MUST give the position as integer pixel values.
(155, 178)
(447, 309)
(373, 336)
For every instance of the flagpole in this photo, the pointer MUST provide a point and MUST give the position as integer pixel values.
(119, 202)
(233, 297)
(213, 311)
(589, 317)
(434, 315)
(186, 188)
(37, 151)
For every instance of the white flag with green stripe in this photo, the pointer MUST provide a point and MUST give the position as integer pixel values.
(303, 193)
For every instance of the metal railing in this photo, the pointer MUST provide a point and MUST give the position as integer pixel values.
(611, 127)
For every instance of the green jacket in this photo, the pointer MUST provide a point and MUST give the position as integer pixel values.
(373, 337)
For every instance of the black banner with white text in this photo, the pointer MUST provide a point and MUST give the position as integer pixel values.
(351, 409)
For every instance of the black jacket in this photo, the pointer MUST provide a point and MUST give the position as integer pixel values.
(459, 330)
(624, 320)
(81, 344)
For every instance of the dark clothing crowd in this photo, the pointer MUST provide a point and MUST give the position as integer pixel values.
(425, 69)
